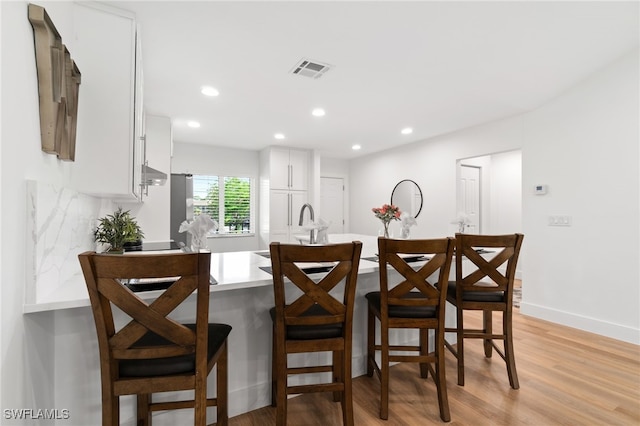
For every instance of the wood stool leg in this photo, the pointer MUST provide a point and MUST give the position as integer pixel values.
(424, 351)
(460, 344)
(222, 390)
(338, 373)
(371, 336)
(347, 395)
(508, 351)
(488, 330)
(441, 381)
(281, 387)
(273, 368)
(384, 372)
(143, 413)
(110, 408)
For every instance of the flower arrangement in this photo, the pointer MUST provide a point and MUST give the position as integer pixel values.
(386, 214)
(462, 220)
(198, 228)
(407, 222)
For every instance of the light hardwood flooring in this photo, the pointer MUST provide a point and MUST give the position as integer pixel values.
(567, 377)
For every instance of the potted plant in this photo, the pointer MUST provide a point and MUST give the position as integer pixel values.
(117, 229)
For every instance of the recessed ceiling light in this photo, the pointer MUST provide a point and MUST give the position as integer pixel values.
(407, 131)
(356, 147)
(318, 112)
(278, 136)
(193, 124)
(209, 91)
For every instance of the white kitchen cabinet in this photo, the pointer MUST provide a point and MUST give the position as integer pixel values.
(109, 148)
(284, 214)
(289, 169)
(284, 189)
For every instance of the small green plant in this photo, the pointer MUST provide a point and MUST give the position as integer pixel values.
(117, 229)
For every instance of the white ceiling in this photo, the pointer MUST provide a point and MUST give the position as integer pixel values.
(433, 66)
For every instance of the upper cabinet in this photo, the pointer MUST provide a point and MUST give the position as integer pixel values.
(110, 137)
(289, 169)
(284, 189)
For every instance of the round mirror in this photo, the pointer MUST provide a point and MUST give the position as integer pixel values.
(407, 196)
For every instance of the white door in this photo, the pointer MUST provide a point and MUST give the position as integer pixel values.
(332, 203)
(469, 197)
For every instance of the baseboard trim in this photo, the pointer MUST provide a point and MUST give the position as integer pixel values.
(581, 322)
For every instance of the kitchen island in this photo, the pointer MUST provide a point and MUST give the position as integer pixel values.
(65, 348)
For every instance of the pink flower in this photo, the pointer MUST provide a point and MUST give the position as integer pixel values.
(387, 213)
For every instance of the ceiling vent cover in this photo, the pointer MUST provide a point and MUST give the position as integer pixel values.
(312, 69)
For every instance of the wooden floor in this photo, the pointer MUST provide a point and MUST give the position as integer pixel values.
(567, 377)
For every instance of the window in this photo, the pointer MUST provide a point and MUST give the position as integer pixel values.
(229, 200)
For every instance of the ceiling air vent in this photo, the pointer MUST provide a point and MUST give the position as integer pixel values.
(311, 69)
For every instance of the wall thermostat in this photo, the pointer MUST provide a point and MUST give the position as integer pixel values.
(540, 189)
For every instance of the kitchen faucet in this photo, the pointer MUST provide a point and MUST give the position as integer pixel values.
(312, 238)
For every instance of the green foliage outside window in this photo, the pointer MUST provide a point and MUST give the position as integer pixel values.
(236, 194)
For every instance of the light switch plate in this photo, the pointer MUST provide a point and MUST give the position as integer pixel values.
(560, 220)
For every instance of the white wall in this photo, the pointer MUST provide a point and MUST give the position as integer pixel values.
(27, 341)
(209, 160)
(584, 145)
(506, 193)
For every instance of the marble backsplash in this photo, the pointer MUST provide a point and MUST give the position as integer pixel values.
(60, 226)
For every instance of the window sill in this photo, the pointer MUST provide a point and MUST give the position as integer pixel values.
(243, 235)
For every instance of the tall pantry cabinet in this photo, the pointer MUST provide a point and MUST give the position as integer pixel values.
(284, 189)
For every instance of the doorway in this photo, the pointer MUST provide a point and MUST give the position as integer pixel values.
(499, 192)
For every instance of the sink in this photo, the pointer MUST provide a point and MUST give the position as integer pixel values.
(302, 238)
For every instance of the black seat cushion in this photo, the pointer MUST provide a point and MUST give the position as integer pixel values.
(475, 296)
(173, 365)
(396, 311)
(309, 332)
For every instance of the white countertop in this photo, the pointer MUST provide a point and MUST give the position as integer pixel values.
(232, 270)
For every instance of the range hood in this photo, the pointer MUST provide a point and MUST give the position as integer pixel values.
(153, 177)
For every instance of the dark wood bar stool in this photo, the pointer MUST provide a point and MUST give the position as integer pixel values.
(307, 318)
(154, 353)
(487, 286)
(413, 299)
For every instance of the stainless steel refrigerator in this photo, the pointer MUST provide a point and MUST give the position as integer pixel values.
(181, 206)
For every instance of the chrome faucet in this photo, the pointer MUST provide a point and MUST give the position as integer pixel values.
(312, 238)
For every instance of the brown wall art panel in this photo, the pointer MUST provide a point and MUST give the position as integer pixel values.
(58, 87)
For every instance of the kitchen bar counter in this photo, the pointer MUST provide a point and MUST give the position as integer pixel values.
(229, 271)
(66, 338)
(241, 298)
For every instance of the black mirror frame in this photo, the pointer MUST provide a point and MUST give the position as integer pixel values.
(419, 190)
